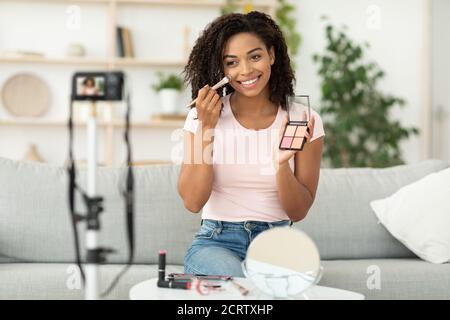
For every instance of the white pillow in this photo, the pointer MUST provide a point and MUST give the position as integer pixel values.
(418, 215)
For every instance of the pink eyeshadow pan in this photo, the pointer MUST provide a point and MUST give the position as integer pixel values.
(290, 130)
(286, 143)
(297, 143)
(301, 130)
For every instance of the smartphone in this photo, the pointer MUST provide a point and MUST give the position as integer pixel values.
(188, 277)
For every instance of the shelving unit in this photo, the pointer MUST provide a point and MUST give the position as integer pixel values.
(112, 62)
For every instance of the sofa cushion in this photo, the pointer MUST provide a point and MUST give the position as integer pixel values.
(399, 279)
(35, 222)
(44, 281)
(341, 221)
(418, 215)
(389, 278)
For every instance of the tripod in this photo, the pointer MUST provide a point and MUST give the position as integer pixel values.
(94, 207)
(95, 254)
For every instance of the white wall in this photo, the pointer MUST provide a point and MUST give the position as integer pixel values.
(441, 79)
(395, 46)
(157, 33)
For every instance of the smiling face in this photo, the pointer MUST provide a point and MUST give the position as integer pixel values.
(247, 59)
(90, 82)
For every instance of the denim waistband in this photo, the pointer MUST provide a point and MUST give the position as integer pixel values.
(245, 224)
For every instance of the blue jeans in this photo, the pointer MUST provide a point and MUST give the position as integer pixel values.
(219, 247)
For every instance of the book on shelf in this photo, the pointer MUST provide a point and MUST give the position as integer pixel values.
(124, 42)
(128, 45)
(120, 49)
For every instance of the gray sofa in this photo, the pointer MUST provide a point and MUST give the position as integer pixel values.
(37, 252)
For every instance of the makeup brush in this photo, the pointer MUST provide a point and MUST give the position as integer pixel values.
(219, 84)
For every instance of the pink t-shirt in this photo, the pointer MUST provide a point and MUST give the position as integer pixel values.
(244, 186)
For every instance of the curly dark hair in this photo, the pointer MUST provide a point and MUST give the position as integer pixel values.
(85, 81)
(205, 63)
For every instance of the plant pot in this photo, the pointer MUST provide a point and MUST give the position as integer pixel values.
(168, 99)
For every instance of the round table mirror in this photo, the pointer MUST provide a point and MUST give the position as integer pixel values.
(282, 262)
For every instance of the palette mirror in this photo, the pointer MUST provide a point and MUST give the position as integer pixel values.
(299, 113)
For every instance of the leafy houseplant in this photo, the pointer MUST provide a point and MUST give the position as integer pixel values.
(229, 7)
(287, 24)
(168, 88)
(355, 113)
(169, 81)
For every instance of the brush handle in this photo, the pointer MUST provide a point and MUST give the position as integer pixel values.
(192, 103)
(219, 84)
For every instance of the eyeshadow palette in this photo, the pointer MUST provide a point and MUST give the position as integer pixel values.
(294, 136)
(298, 116)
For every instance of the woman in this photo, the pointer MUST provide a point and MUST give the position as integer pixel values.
(230, 169)
(89, 88)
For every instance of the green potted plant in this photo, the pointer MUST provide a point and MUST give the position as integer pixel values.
(286, 19)
(168, 88)
(355, 112)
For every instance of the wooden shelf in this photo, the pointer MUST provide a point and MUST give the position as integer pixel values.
(194, 3)
(36, 123)
(138, 62)
(116, 123)
(140, 163)
(121, 62)
(197, 3)
(151, 124)
(49, 60)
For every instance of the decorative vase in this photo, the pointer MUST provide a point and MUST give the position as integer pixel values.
(169, 101)
(75, 50)
(33, 154)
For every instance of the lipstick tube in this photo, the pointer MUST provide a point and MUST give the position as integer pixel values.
(162, 265)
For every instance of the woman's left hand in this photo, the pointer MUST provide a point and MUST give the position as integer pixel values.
(283, 156)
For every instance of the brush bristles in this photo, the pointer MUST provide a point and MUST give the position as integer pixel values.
(222, 82)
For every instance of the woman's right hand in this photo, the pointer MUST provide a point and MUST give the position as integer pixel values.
(208, 105)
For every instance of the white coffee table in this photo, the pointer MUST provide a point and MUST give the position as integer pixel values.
(147, 290)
